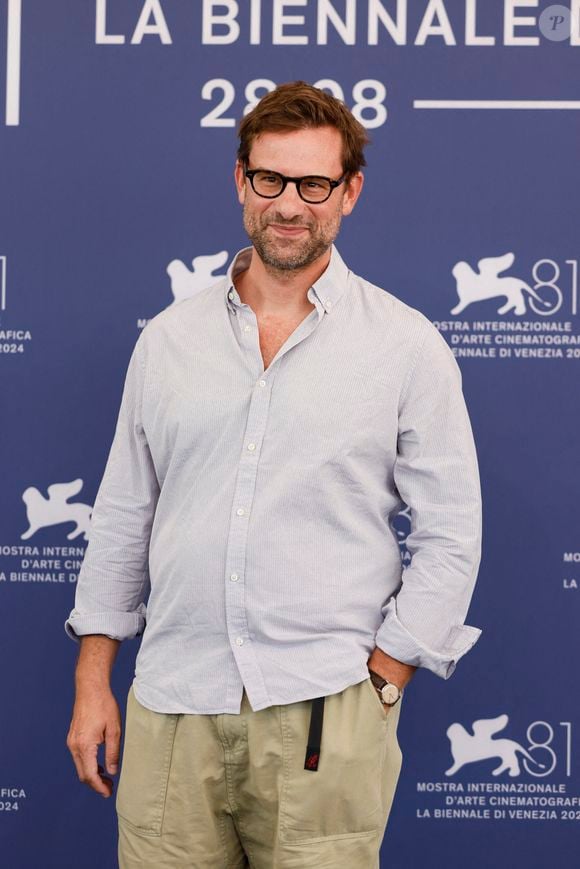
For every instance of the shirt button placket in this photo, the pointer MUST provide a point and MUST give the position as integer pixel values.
(238, 537)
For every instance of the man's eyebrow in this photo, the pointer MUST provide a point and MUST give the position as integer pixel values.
(277, 172)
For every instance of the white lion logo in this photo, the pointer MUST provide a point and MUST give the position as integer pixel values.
(474, 287)
(185, 283)
(42, 512)
(468, 748)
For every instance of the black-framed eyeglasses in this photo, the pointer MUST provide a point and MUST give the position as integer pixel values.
(313, 189)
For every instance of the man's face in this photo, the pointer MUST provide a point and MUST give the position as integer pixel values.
(287, 232)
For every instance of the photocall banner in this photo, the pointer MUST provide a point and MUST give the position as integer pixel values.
(117, 149)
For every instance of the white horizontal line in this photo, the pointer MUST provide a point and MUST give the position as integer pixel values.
(496, 104)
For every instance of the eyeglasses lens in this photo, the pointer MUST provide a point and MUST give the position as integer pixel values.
(312, 188)
(315, 189)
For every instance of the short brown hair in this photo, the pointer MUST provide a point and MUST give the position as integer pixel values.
(298, 105)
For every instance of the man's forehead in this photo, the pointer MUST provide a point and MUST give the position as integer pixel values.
(315, 150)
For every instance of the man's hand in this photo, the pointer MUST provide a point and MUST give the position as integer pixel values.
(96, 719)
(390, 668)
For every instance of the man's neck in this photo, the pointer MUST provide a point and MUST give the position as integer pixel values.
(278, 292)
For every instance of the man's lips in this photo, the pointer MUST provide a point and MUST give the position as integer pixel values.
(286, 230)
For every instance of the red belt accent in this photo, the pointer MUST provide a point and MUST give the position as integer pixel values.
(314, 734)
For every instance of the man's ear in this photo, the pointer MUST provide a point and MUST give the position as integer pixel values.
(352, 192)
(240, 180)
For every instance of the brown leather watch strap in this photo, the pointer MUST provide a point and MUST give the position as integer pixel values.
(377, 680)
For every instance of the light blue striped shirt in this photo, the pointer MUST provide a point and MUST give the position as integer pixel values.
(243, 524)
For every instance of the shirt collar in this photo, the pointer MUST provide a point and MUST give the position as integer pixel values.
(324, 293)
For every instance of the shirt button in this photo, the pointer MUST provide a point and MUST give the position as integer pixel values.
(239, 641)
(240, 511)
(262, 382)
(230, 295)
(247, 328)
(234, 577)
(328, 304)
(251, 446)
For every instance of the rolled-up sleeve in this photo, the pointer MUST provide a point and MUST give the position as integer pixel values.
(436, 474)
(113, 581)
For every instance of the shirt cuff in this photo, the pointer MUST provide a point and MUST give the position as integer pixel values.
(394, 639)
(117, 626)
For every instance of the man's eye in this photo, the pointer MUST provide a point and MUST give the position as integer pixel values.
(269, 179)
(314, 185)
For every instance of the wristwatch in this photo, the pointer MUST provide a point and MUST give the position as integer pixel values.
(389, 692)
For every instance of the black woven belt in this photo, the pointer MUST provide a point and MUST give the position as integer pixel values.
(314, 734)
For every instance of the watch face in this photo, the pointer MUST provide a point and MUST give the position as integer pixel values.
(390, 693)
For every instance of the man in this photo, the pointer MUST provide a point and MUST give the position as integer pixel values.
(270, 429)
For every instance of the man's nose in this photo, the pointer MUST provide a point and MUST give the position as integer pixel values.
(289, 203)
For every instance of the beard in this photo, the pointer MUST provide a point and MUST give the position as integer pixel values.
(289, 254)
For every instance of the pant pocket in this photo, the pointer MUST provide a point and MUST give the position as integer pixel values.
(146, 762)
(343, 797)
(385, 711)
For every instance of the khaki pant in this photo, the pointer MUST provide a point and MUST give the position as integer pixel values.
(231, 792)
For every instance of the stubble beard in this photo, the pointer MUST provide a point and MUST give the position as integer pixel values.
(283, 255)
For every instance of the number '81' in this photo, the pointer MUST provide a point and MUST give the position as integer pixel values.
(368, 96)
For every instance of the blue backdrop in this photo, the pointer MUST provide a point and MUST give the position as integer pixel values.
(117, 144)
